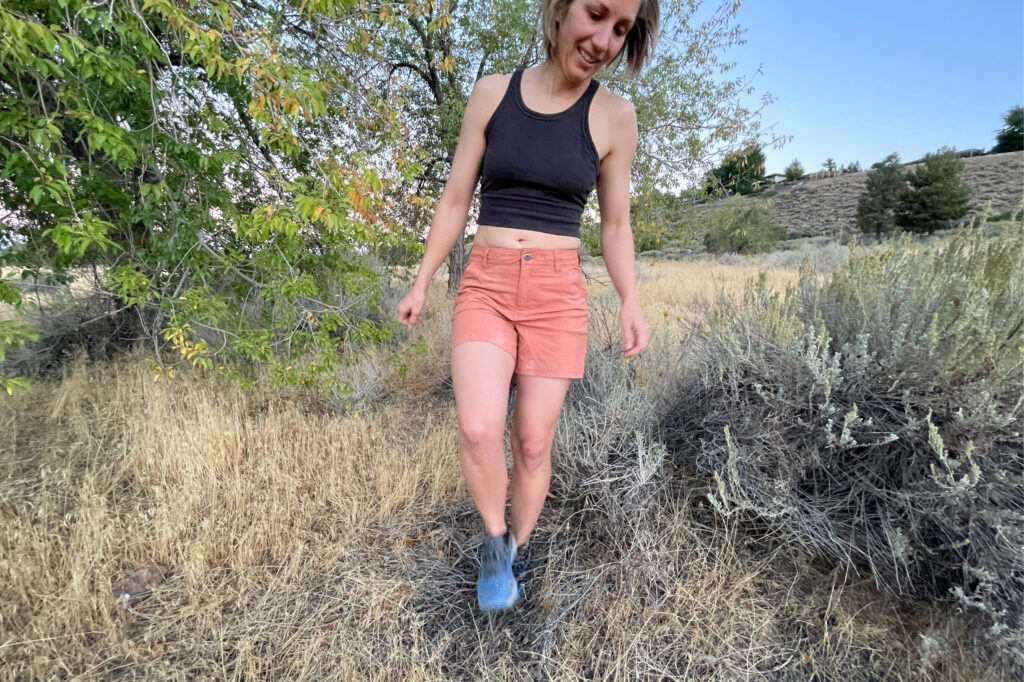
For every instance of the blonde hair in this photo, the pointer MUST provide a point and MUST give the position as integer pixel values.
(638, 47)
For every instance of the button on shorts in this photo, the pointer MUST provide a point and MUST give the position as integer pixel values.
(531, 302)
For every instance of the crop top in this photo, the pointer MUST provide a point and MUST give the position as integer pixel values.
(538, 169)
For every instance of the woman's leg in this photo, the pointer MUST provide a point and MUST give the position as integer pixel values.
(538, 404)
(481, 372)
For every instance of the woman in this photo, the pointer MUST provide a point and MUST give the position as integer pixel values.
(539, 139)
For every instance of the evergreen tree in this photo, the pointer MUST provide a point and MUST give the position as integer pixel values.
(936, 196)
(1011, 137)
(742, 172)
(877, 206)
(794, 171)
(829, 165)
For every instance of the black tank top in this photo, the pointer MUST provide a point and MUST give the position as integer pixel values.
(538, 169)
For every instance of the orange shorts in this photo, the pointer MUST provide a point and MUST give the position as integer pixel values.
(531, 302)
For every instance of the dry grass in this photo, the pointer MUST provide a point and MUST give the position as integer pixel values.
(307, 544)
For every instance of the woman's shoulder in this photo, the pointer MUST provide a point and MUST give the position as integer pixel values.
(613, 106)
(489, 90)
(493, 82)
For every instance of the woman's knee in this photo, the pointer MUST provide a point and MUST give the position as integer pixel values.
(481, 433)
(532, 450)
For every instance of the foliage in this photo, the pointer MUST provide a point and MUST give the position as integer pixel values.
(829, 165)
(936, 197)
(179, 151)
(228, 167)
(1011, 137)
(423, 66)
(654, 214)
(875, 419)
(852, 167)
(876, 206)
(794, 171)
(590, 235)
(741, 226)
(741, 172)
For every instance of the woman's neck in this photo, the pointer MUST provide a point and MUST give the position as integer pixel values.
(554, 85)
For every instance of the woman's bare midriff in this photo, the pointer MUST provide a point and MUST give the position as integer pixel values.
(513, 238)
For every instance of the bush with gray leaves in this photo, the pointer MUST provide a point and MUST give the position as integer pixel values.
(875, 419)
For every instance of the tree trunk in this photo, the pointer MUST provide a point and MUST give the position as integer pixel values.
(456, 263)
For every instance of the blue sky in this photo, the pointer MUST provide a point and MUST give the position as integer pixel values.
(859, 80)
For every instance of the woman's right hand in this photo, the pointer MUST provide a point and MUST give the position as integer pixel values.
(411, 306)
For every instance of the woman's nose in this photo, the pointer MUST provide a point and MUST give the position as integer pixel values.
(602, 39)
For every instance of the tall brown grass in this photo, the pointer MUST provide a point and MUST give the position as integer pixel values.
(306, 542)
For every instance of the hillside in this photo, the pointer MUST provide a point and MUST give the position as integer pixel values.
(829, 205)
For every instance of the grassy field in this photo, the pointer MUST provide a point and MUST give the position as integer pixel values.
(284, 538)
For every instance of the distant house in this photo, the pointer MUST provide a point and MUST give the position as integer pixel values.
(775, 177)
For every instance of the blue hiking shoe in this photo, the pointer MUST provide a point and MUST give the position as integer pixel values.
(496, 588)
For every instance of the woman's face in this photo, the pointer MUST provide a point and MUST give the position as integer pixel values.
(592, 33)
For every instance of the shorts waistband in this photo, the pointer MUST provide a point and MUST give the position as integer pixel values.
(555, 258)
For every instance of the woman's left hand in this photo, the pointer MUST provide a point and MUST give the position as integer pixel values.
(635, 332)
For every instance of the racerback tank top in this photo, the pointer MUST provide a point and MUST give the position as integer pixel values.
(538, 169)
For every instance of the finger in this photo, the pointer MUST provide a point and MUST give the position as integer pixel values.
(640, 335)
(628, 338)
(645, 338)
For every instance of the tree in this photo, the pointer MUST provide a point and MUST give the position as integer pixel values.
(853, 167)
(654, 215)
(794, 171)
(183, 155)
(424, 68)
(741, 172)
(230, 169)
(829, 165)
(1011, 137)
(936, 196)
(876, 206)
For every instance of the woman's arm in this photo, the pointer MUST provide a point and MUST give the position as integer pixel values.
(452, 208)
(616, 233)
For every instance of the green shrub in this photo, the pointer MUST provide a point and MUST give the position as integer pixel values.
(649, 236)
(741, 227)
(590, 235)
(794, 171)
(875, 419)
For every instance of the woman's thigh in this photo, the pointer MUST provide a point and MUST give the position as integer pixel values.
(481, 373)
(538, 404)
